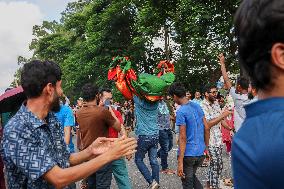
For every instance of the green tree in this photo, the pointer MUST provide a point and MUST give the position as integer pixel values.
(90, 33)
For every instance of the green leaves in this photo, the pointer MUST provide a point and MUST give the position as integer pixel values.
(192, 32)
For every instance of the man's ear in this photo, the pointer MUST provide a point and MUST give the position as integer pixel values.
(277, 55)
(48, 89)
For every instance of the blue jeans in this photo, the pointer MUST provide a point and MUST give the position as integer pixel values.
(166, 143)
(148, 144)
(121, 174)
(101, 179)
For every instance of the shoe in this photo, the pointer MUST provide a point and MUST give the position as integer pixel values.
(154, 185)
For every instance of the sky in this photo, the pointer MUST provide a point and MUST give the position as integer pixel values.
(17, 18)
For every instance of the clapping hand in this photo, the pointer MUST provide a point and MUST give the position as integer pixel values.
(101, 145)
(122, 147)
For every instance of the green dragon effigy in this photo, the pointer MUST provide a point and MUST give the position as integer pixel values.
(150, 87)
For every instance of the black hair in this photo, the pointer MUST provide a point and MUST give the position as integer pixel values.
(219, 96)
(89, 92)
(259, 24)
(243, 82)
(177, 89)
(105, 90)
(37, 74)
(207, 88)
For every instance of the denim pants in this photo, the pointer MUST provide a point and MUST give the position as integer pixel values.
(190, 165)
(148, 144)
(166, 144)
(101, 179)
(120, 174)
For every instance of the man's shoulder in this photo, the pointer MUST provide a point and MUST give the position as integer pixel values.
(16, 122)
(17, 129)
(66, 108)
(184, 109)
(90, 110)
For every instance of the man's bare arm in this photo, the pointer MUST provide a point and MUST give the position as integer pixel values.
(206, 132)
(218, 119)
(67, 134)
(61, 178)
(227, 81)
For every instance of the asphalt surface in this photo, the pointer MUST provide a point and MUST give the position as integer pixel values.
(171, 181)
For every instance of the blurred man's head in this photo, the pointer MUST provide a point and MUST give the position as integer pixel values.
(105, 95)
(259, 26)
(42, 79)
(211, 93)
(252, 92)
(221, 100)
(197, 95)
(242, 84)
(177, 92)
(90, 92)
(80, 102)
(188, 95)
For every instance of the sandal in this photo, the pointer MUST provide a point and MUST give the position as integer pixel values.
(228, 182)
(168, 172)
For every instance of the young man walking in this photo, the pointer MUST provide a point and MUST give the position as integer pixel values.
(193, 137)
(147, 131)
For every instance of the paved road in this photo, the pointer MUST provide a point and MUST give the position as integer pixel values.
(171, 181)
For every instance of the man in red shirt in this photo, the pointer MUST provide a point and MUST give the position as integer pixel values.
(119, 168)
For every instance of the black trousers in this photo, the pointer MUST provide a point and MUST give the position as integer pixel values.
(190, 165)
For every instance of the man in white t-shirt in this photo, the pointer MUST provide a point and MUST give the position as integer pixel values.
(239, 94)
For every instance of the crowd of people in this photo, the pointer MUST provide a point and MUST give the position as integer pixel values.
(202, 124)
(245, 118)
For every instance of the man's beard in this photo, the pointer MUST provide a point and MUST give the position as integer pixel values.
(212, 99)
(55, 105)
(250, 96)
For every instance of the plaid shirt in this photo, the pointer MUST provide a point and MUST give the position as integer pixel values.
(30, 148)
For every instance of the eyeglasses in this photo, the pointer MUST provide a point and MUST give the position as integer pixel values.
(213, 92)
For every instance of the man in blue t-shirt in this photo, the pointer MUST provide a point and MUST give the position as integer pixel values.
(257, 152)
(147, 131)
(193, 136)
(67, 120)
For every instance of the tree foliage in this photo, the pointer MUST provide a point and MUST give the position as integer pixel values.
(90, 33)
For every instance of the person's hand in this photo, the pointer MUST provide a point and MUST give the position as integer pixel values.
(180, 168)
(122, 147)
(221, 59)
(129, 157)
(207, 155)
(226, 112)
(101, 145)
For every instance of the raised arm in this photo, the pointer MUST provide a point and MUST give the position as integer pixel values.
(227, 81)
